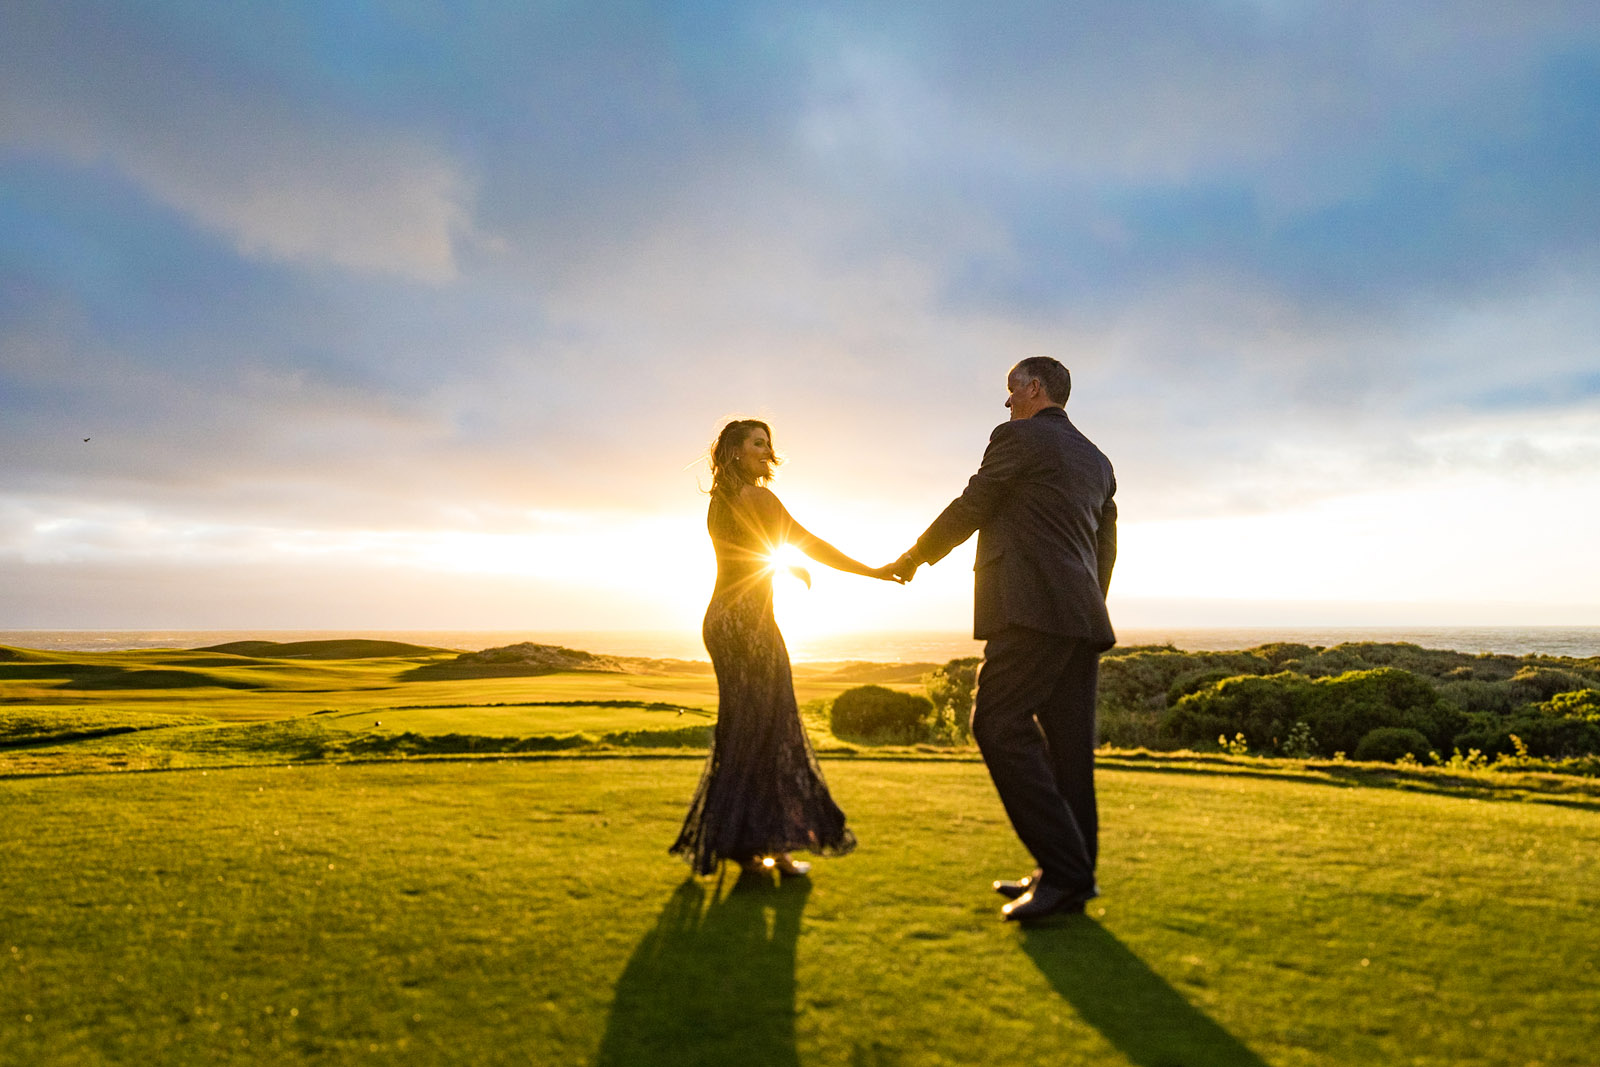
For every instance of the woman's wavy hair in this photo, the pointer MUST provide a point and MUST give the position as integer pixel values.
(726, 478)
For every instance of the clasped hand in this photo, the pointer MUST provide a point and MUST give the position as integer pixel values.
(900, 571)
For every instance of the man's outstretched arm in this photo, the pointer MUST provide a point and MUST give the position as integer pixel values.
(1003, 461)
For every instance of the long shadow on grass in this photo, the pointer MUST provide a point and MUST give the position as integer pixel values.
(1132, 1006)
(713, 983)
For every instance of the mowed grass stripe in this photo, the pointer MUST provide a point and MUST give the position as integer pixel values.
(526, 912)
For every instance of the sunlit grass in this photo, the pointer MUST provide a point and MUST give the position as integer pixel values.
(519, 720)
(141, 710)
(527, 912)
(510, 898)
(280, 689)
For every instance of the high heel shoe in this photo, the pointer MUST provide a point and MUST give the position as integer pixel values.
(785, 866)
(789, 867)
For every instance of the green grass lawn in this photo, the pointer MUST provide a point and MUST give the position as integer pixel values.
(301, 887)
(525, 912)
(522, 720)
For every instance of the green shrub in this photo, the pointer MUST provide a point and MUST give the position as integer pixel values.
(1137, 680)
(1389, 743)
(1130, 729)
(1546, 736)
(1299, 744)
(1437, 663)
(1338, 711)
(1473, 695)
(1135, 683)
(1530, 685)
(1345, 708)
(1196, 681)
(950, 690)
(1279, 653)
(1490, 667)
(1141, 677)
(1576, 704)
(875, 714)
(1332, 661)
(1264, 708)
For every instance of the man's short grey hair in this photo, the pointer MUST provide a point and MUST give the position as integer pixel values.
(1048, 372)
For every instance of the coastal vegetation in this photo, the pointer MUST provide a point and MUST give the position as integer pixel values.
(1393, 703)
(1302, 701)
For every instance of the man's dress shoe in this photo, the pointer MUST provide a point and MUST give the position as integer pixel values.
(1013, 890)
(1044, 900)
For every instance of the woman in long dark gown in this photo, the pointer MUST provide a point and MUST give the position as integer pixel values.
(762, 794)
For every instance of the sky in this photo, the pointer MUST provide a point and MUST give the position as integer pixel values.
(422, 315)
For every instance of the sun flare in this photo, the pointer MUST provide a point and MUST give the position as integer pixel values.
(785, 557)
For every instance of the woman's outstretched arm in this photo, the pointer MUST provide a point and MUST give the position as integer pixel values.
(775, 517)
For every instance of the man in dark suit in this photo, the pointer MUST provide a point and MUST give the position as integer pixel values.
(1047, 538)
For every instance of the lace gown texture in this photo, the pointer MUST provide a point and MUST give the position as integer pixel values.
(762, 792)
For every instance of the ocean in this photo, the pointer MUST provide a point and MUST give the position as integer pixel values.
(879, 647)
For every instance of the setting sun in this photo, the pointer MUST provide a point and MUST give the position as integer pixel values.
(788, 558)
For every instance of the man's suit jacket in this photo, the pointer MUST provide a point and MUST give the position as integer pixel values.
(1047, 531)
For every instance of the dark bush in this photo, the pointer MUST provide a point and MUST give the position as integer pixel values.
(1426, 662)
(950, 689)
(1544, 735)
(1280, 652)
(875, 714)
(1262, 707)
(1345, 708)
(1339, 711)
(1484, 668)
(1472, 695)
(1388, 653)
(1133, 692)
(1330, 661)
(1388, 743)
(1134, 683)
(1530, 685)
(1196, 681)
(1139, 678)
(1489, 667)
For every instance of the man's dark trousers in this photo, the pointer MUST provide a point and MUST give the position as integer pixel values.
(1030, 682)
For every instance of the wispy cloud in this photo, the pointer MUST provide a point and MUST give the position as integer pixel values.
(228, 145)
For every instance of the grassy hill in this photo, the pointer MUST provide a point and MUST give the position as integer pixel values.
(270, 702)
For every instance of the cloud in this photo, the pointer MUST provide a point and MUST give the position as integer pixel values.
(1348, 161)
(299, 184)
(346, 270)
